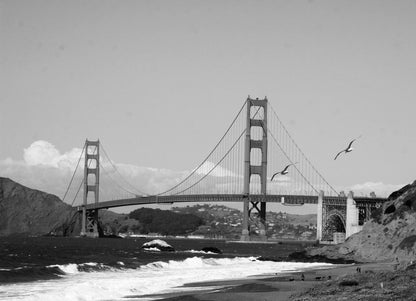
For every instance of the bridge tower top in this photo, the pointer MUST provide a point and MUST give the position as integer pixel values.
(256, 118)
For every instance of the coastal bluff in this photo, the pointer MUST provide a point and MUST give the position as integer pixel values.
(26, 211)
(389, 236)
(32, 212)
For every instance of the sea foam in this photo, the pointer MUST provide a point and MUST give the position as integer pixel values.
(152, 278)
(70, 268)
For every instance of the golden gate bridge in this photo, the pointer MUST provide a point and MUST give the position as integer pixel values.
(238, 168)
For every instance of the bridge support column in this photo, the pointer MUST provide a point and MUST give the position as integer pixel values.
(259, 120)
(319, 216)
(351, 222)
(245, 234)
(89, 226)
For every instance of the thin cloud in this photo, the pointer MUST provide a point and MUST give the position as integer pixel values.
(215, 171)
(46, 168)
(379, 188)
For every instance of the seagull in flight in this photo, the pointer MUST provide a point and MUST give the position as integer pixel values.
(347, 150)
(284, 171)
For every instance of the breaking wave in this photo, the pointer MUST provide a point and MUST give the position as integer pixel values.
(95, 281)
(29, 273)
(199, 252)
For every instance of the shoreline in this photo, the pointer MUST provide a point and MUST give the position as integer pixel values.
(282, 287)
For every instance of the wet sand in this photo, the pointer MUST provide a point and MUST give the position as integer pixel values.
(268, 287)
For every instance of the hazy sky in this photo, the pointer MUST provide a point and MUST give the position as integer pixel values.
(159, 81)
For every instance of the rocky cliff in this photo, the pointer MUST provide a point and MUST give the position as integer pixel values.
(33, 212)
(389, 236)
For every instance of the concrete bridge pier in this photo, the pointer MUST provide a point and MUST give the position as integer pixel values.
(351, 220)
(319, 216)
(340, 217)
(245, 233)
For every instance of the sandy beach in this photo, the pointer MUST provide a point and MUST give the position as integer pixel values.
(288, 286)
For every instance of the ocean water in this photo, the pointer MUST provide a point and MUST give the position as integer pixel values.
(48, 268)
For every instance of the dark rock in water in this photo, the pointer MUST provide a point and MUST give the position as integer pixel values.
(266, 258)
(112, 236)
(158, 245)
(211, 250)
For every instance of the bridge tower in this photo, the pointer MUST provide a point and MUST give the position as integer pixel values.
(258, 120)
(89, 225)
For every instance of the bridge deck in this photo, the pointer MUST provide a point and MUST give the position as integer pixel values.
(206, 198)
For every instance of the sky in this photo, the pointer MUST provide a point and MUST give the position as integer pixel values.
(158, 82)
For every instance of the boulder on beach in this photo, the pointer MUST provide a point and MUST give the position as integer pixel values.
(211, 250)
(157, 244)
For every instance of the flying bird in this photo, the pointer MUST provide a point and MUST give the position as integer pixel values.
(347, 150)
(284, 171)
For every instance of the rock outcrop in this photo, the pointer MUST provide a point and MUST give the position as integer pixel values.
(33, 212)
(211, 250)
(157, 245)
(389, 236)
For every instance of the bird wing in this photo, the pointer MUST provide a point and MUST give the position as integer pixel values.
(284, 170)
(275, 175)
(339, 154)
(349, 145)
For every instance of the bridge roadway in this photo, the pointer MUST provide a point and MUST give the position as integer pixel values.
(206, 198)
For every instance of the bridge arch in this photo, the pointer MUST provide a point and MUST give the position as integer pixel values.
(335, 222)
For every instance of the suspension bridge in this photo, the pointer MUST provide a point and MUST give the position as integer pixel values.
(238, 169)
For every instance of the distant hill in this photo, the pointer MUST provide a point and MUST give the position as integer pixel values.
(222, 221)
(165, 222)
(214, 212)
(28, 211)
(389, 236)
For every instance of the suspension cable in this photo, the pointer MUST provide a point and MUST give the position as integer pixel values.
(83, 180)
(206, 158)
(79, 188)
(306, 158)
(122, 177)
(115, 182)
(215, 166)
(223, 157)
(73, 175)
(294, 165)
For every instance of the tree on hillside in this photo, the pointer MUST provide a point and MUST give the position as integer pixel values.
(166, 222)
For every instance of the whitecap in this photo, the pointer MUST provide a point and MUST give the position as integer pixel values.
(153, 278)
(71, 268)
